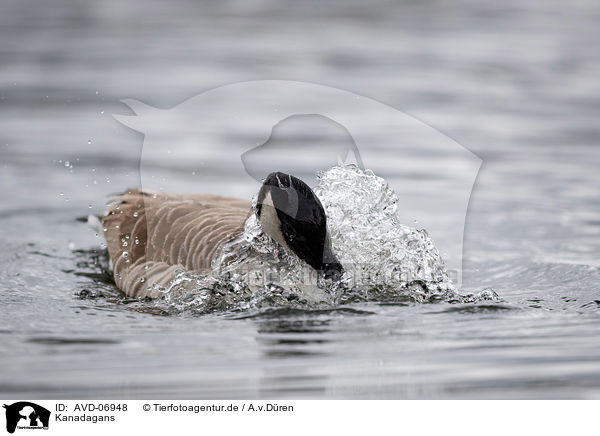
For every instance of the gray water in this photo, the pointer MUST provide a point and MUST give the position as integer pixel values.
(514, 83)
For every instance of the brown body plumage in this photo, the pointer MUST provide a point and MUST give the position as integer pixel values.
(150, 235)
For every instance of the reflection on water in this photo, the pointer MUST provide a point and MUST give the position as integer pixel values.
(515, 83)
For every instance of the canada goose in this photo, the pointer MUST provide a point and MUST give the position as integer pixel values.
(150, 235)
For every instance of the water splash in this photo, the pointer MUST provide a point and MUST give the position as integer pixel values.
(371, 242)
(384, 260)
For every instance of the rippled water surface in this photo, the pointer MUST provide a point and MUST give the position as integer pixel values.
(516, 84)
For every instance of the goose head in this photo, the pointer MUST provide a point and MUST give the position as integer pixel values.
(292, 215)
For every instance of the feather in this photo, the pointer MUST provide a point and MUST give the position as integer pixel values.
(150, 235)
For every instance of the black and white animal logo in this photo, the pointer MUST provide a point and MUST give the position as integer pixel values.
(26, 415)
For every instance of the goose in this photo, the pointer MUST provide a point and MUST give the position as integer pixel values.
(150, 235)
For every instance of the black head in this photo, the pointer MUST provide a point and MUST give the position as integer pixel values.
(290, 212)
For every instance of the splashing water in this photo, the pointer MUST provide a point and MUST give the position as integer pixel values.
(369, 239)
(383, 259)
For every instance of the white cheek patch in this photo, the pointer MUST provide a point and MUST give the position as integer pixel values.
(270, 223)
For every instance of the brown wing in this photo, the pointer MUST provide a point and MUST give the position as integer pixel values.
(150, 235)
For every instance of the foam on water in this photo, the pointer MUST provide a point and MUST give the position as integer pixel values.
(384, 260)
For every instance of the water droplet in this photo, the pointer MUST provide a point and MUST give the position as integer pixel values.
(154, 195)
(97, 92)
(137, 241)
(124, 244)
(62, 194)
(143, 279)
(101, 112)
(89, 142)
(135, 214)
(89, 206)
(67, 163)
(125, 254)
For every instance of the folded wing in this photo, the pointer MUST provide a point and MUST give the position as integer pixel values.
(150, 235)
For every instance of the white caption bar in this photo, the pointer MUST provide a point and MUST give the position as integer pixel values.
(291, 417)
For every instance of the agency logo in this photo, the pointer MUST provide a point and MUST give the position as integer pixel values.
(26, 415)
(227, 140)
